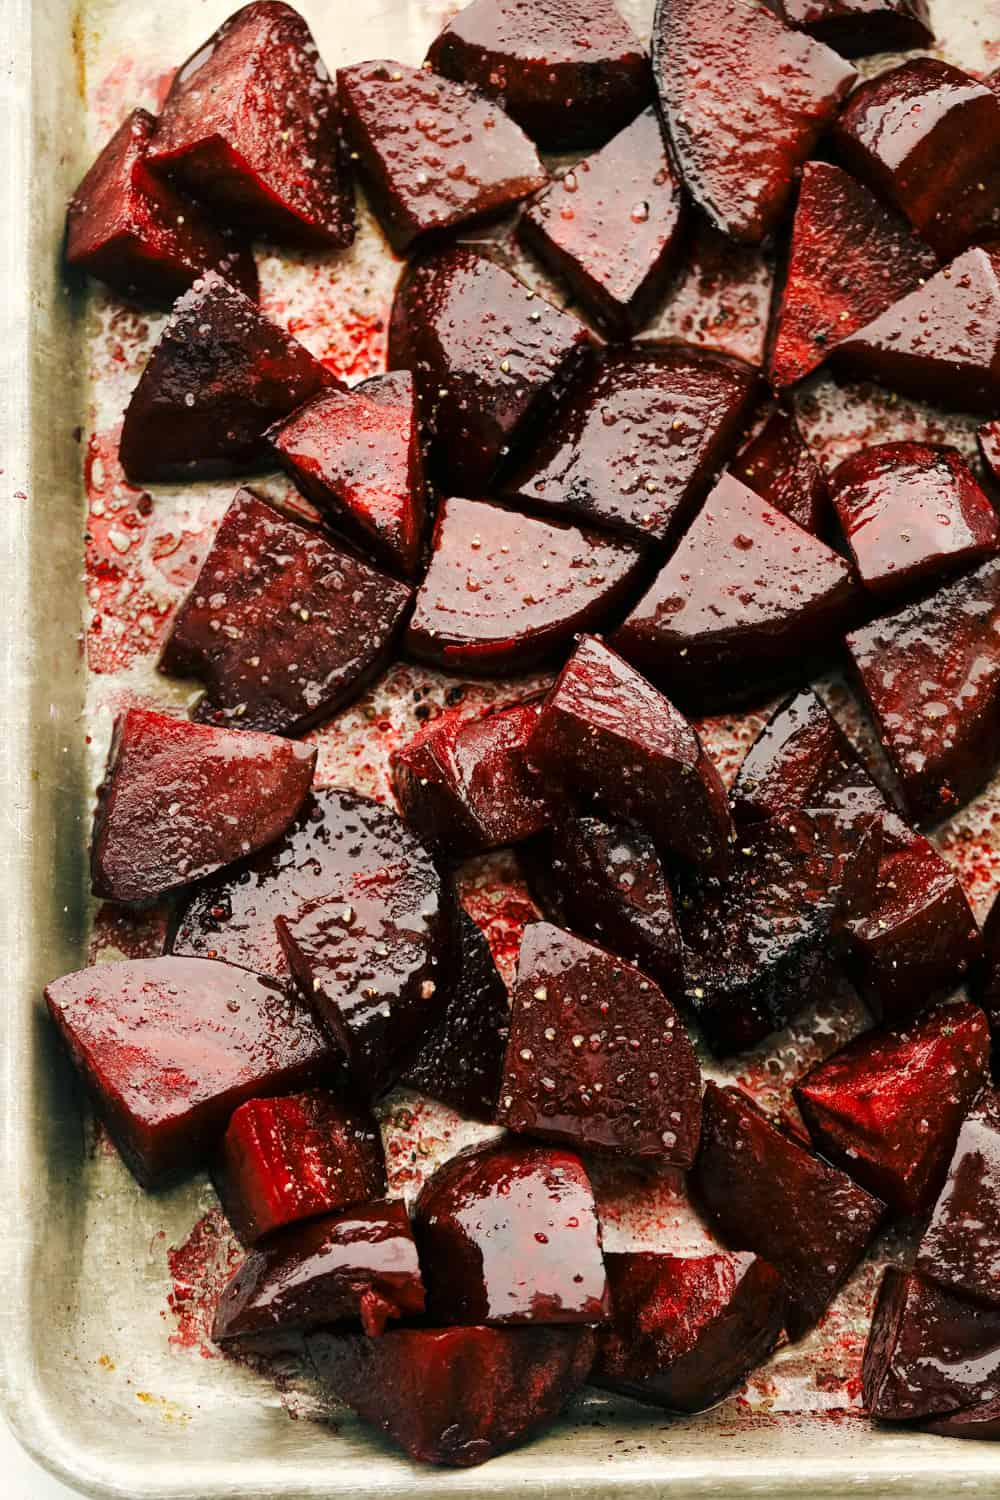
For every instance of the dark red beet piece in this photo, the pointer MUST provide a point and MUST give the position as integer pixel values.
(281, 626)
(776, 463)
(982, 1420)
(508, 1233)
(131, 230)
(851, 258)
(606, 736)
(455, 1396)
(487, 355)
(986, 976)
(597, 1056)
(801, 758)
(360, 1265)
(282, 1160)
(765, 1193)
(181, 800)
(858, 27)
(988, 438)
(961, 1245)
(636, 443)
(219, 375)
(686, 1330)
(739, 161)
(169, 1047)
(506, 592)
(744, 603)
(610, 227)
(250, 125)
(356, 455)
(571, 72)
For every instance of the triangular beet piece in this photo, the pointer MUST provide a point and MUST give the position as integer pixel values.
(181, 800)
(709, 60)
(776, 463)
(859, 27)
(850, 259)
(961, 1245)
(219, 375)
(801, 758)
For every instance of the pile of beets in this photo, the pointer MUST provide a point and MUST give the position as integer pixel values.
(524, 489)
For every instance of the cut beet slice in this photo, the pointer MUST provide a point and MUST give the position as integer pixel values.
(636, 444)
(571, 72)
(597, 1056)
(487, 355)
(356, 455)
(747, 600)
(981, 1420)
(508, 1233)
(455, 1396)
(607, 737)
(765, 1193)
(988, 438)
(131, 230)
(961, 1245)
(250, 125)
(466, 785)
(169, 1047)
(281, 626)
(686, 1330)
(350, 1267)
(282, 1160)
(850, 259)
(859, 27)
(801, 758)
(610, 227)
(506, 592)
(181, 800)
(739, 160)
(776, 463)
(219, 375)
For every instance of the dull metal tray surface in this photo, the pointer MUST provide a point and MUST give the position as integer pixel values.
(108, 1376)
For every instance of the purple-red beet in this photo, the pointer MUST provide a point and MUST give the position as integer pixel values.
(776, 463)
(988, 438)
(721, 299)
(859, 27)
(961, 1245)
(801, 758)
(986, 976)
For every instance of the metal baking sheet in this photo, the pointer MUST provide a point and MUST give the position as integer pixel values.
(108, 1376)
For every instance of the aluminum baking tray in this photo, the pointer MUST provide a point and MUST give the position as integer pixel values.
(107, 1375)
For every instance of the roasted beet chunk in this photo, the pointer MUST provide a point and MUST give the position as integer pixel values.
(765, 1193)
(722, 297)
(455, 1396)
(739, 162)
(851, 257)
(250, 125)
(486, 353)
(776, 463)
(128, 228)
(986, 977)
(961, 1245)
(636, 444)
(571, 72)
(746, 600)
(433, 153)
(505, 592)
(281, 626)
(181, 800)
(287, 1159)
(169, 1047)
(801, 758)
(686, 1330)
(220, 374)
(610, 227)
(597, 1056)
(508, 1233)
(606, 736)
(858, 27)
(988, 438)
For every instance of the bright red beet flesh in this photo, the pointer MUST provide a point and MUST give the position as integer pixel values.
(961, 1245)
(775, 462)
(857, 27)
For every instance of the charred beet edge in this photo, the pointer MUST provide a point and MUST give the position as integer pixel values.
(961, 1245)
(858, 27)
(775, 462)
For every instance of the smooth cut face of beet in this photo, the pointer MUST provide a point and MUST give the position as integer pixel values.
(800, 759)
(859, 27)
(219, 376)
(739, 163)
(765, 1193)
(281, 626)
(777, 464)
(179, 801)
(508, 1234)
(596, 1055)
(282, 1160)
(636, 443)
(961, 1245)
(506, 592)
(250, 126)
(170, 1047)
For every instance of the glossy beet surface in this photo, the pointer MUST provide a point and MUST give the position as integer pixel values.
(597, 1056)
(219, 375)
(508, 1233)
(282, 626)
(857, 27)
(506, 592)
(636, 442)
(765, 1193)
(685, 1330)
(169, 1047)
(801, 758)
(988, 439)
(961, 1244)
(250, 125)
(721, 297)
(775, 462)
(181, 800)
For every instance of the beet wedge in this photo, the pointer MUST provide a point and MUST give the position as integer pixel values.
(988, 439)
(960, 1248)
(777, 464)
(801, 758)
(859, 27)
